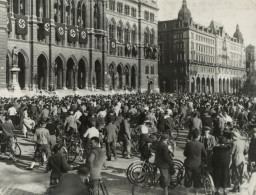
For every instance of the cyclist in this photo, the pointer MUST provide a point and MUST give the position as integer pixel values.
(164, 162)
(194, 151)
(7, 130)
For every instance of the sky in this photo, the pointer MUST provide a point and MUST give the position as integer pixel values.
(227, 12)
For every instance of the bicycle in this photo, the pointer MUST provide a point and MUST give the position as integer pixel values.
(207, 181)
(151, 179)
(102, 189)
(15, 146)
(137, 172)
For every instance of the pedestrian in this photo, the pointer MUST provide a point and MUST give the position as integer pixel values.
(110, 138)
(220, 165)
(252, 163)
(125, 136)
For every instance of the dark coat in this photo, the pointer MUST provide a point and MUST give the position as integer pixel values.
(110, 133)
(194, 151)
(163, 158)
(220, 165)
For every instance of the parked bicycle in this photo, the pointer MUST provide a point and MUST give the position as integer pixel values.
(15, 145)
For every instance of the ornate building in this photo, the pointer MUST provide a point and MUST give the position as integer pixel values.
(76, 44)
(195, 58)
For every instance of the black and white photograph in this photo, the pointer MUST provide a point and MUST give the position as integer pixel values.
(127, 97)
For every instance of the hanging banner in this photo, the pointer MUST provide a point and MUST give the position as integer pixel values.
(21, 24)
(60, 31)
(72, 35)
(83, 37)
(47, 26)
(9, 22)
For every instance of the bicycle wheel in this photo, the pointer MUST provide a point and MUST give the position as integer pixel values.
(208, 184)
(177, 177)
(138, 172)
(17, 150)
(103, 188)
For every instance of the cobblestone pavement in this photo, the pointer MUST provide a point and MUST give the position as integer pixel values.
(15, 180)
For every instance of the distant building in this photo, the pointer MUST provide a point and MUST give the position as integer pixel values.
(195, 58)
(76, 44)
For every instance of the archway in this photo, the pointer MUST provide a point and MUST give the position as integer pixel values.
(111, 72)
(42, 72)
(127, 76)
(8, 71)
(220, 85)
(70, 74)
(81, 79)
(97, 81)
(133, 78)
(22, 72)
(59, 72)
(203, 85)
(192, 85)
(198, 85)
(120, 76)
(208, 87)
(212, 85)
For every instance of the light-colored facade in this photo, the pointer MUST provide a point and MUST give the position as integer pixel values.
(97, 43)
(251, 65)
(195, 58)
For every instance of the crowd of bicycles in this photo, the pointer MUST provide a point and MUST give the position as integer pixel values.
(166, 113)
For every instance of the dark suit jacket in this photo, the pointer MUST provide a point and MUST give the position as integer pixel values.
(163, 158)
(110, 133)
(194, 151)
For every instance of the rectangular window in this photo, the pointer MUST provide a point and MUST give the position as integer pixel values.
(146, 15)
(134, 12)
(120, 51)
(152, 17)
(192, 45)
(127, 10)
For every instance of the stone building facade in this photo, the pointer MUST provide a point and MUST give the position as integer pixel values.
(77, 44)
(195, 58)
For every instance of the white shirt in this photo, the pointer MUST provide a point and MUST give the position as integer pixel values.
(144, 129)
(78, 114)
(92, 132)
(12, 111)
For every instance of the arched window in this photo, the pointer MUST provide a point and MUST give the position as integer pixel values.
(19, 6)
(120, 32)
(112, 28)
(127, 33)
(134, 34)
(40, 8)
(70, 12)
(152, 70)
(152, 37)
(146, 36)
(58, 11)
(81, 14)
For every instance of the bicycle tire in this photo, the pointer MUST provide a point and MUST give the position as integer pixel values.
(177, 177)
(103, 188)
(17, 150)
(208, 184)
(128, 170)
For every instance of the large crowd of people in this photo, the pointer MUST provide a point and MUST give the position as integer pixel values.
(222, 132)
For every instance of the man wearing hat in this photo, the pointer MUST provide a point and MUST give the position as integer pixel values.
(209, 142)
(164, 162)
